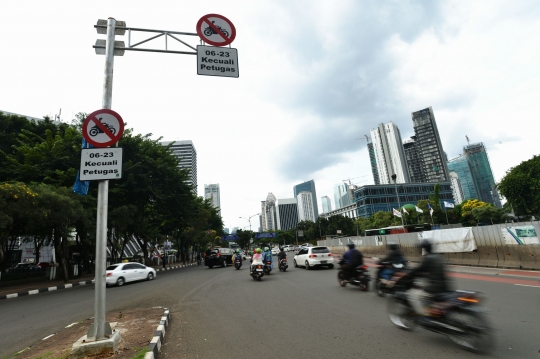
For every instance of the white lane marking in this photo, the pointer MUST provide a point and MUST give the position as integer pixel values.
(47, 337)
(526, 285)
(72, 324)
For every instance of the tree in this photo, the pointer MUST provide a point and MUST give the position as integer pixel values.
(467, 208)
(489, 214)
(521, 187)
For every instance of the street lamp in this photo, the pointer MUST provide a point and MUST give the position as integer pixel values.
(394, 178)
(249, 220)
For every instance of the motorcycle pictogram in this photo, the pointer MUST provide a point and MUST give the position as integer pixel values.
(209, 31)
(94, 131)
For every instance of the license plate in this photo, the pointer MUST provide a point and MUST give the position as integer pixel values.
(259, 270)
(323, 262)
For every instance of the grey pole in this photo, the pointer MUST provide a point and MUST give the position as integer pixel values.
(394, 177)
(100, 328)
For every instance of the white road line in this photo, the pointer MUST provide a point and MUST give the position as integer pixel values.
(72, 324)
(526, 285)
(47, 337)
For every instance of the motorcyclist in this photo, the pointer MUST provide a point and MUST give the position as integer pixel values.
(353, 258)
(238, 256)
(267, 257)
(394, 256)
(281, 255)
(256, 259)
(433, 269)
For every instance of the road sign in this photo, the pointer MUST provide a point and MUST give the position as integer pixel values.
(103, 128)
(215, 61)
(216, 30)
(101, 164)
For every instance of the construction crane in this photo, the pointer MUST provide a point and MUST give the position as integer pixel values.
(349, 179)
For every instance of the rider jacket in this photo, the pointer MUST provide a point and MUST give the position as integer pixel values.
(432, 268)
(282, 255)
(394, 257)
(267, 257)
(354, 257)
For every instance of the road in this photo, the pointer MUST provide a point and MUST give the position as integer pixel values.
(303, 314)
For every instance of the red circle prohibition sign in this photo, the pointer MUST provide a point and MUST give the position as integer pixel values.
(213, 29)
(111, 133)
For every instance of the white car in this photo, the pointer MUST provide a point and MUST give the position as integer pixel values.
(275, 251)
(310, 257)
(121, 273)
(288, 248)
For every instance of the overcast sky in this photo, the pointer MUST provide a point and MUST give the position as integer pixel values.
(315, 77)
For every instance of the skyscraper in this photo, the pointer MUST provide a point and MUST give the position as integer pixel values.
(461, 167)
(429, 146)
(414, 163)
(211, 191)
(308, 186)
(389, 154)
(185, 153)
(326, 204)
(268, 213)
(287, 214)
(483, 176)
(373, 161)
(457, 192)
(342, 195)
(306, 209)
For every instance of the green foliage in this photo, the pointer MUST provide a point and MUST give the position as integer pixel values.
(521, 187)
(489, 215)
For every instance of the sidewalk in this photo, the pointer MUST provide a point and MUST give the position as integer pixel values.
(41, 286)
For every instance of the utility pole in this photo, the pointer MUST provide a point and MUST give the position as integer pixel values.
(394, 178)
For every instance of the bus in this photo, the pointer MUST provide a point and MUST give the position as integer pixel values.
(398, 229)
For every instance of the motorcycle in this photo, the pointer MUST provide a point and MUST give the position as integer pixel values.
(95, 130)
(458, 315)
(267, 267)
(208, 31)
(360, 278)
(257, 272)
(381, 284)
(283, 264)
(237, 263)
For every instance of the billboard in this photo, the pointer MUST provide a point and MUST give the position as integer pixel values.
(520, 235)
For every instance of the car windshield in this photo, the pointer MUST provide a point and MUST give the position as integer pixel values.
(320, 250)
(113, 267)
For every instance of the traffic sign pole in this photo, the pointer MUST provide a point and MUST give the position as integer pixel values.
(100, 328)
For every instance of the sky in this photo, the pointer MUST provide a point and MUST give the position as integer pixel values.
(315, 77)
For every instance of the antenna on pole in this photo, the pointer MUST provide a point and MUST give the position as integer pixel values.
(468, 142)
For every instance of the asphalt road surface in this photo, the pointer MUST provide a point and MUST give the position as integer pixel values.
(224, 313)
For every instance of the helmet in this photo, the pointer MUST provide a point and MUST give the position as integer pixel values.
(351, 245)
(258, 250)
(266, 249)
(392, 246)
(238, 251)
(426, 245)
(281, 249)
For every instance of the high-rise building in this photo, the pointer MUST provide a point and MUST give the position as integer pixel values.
(326, 204)
(461, 167)
(287, 214)
(234, 229)
(306, 209)
(373, 161)
(308, 186)
(185, 153)
(389, 154)
(457, 192)
(481, 170)
(414, 163)
(211, 191)
(268, 213)
(429, 146)
(226, 230)
(342, 195)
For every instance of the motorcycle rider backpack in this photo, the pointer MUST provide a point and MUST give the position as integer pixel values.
(357, 258)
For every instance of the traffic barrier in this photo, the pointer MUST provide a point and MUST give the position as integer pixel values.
(527, 257)
(535, 249)
(455, 258)
(501, 255)
(487, 256)
(470, 259)
(511, 257)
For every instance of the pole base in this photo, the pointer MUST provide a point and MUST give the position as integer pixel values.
(93, 329)
(83, 348)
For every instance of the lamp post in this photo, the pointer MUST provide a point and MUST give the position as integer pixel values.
(249, 220)
(394, 178)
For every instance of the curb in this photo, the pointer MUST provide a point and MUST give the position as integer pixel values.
(47, 289)
(76, 284)
(159, 335)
